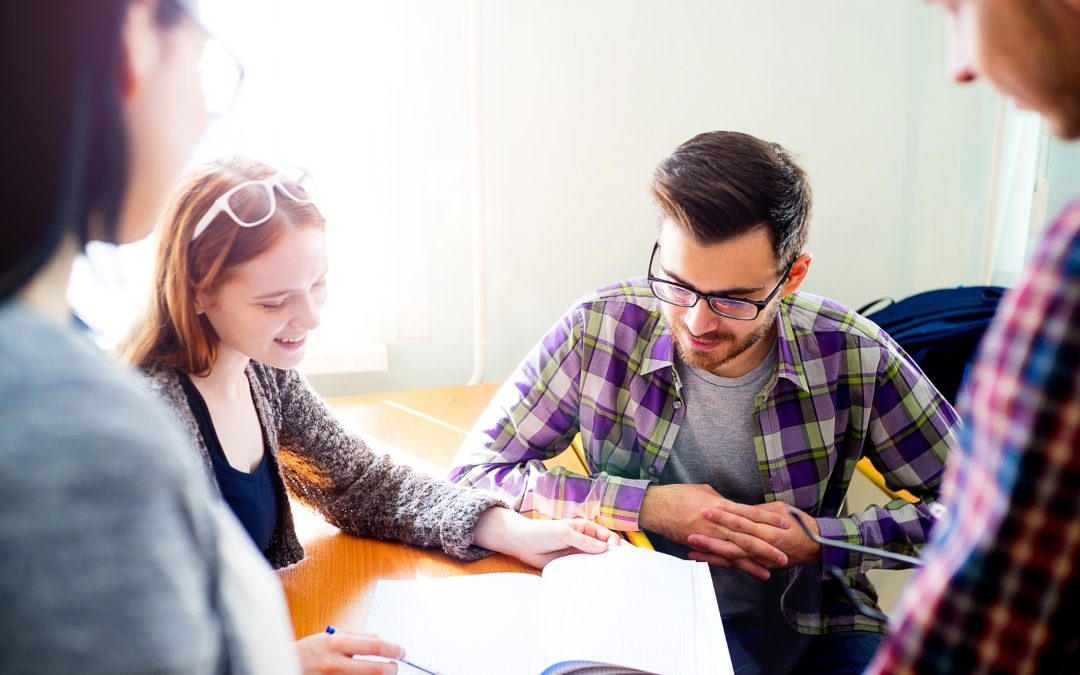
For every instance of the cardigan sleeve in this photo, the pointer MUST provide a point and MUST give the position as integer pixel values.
(333, 471)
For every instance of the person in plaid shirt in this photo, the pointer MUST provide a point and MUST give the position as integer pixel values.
(1002, 579)
(711, 397)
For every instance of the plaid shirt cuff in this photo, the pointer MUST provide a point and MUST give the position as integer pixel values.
(839, 529)
(620, 502)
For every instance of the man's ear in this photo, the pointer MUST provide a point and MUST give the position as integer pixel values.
(138, 47)
(797, 275)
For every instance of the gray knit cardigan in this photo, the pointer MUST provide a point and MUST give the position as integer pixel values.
(333, 471)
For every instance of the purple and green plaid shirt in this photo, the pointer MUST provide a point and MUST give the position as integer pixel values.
(842, 390)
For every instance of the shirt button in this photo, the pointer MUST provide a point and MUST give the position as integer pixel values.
(677, 404)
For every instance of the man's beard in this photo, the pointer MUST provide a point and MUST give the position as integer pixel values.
(712, 361)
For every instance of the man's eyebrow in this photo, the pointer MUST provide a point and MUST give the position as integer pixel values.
(725, 292)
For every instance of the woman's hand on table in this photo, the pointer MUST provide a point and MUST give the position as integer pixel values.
(538, 542)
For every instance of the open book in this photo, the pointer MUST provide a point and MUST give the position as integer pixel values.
(631, 607)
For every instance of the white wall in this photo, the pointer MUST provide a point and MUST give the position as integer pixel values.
(581, 98)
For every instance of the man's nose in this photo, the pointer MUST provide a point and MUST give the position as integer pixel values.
(700, 319)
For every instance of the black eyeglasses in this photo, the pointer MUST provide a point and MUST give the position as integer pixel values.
(835, 573)
(733, 308)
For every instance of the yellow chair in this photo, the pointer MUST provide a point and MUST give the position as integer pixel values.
(874, 476)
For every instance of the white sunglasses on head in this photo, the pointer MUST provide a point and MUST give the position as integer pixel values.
(253, 203)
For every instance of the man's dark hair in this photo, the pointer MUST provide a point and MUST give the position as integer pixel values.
(64, 139)
(722, 184)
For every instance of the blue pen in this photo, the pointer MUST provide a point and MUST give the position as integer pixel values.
(331, 630)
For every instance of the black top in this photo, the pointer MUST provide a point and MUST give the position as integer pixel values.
(250, 495)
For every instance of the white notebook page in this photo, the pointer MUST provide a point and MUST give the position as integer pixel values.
(638, 608)
(456, 625)
(627, 606)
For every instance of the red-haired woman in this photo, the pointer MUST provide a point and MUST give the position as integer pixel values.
(241, 277)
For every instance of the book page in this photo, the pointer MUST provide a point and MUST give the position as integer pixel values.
(627, 606)
(637, 608)
(469, 625)
(713, 654)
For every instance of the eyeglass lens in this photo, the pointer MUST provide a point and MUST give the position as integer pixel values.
(673, 294)
(251, 204)
(220, 74)
(682, 297)
(297, 184)
(733, 308)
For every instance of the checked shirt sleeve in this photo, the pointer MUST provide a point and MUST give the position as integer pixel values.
(910, 432)
(533, 417)
(999, 591)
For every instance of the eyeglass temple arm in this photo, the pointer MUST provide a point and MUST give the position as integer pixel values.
(857, 548)
(864, 609)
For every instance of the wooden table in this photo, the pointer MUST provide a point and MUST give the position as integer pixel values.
(335, 582)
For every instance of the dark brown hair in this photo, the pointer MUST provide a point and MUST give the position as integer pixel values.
(722, 184)
(64, 137)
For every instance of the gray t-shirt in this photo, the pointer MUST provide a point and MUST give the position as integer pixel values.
(109, 538)
(715, 446)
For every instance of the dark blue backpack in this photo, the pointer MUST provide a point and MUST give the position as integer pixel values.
(940, 330)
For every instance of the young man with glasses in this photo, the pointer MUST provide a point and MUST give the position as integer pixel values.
(998, 593)
(711, 395)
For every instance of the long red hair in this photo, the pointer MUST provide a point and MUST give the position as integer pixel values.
(173, 333)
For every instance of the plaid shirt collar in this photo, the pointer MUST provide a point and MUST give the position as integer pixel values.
(789, 364)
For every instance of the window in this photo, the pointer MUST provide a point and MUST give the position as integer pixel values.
(370, 98)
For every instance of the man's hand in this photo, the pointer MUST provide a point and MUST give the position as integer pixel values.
(746, 525)
(678, 513)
